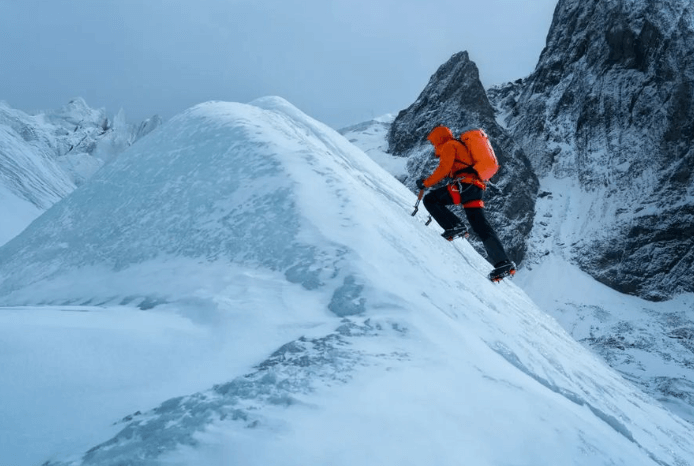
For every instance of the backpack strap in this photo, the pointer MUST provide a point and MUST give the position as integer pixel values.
(467, 170)
(472, 178)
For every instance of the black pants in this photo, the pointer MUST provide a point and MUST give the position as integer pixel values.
(436, 203)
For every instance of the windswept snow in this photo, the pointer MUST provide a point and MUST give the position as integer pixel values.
(351, 332)
(650, 344)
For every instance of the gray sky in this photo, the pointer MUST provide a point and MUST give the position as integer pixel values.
(340, 61)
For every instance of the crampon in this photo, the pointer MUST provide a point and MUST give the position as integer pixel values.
(503, 270)
(455, 232)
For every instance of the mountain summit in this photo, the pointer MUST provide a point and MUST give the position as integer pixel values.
(456, 98)
(211, 188)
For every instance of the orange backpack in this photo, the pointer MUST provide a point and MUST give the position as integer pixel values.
(477, 142)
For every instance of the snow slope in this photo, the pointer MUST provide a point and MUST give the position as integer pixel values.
(319, 322)
(16, 213)
(650, 344)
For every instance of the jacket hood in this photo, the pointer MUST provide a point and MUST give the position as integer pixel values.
(440, 135)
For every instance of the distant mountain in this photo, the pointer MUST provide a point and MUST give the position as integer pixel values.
(371, 137)
(397, 347)
(456, 98)
(44, 156)
(607, 120)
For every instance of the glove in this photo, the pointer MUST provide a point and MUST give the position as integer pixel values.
(420, 183)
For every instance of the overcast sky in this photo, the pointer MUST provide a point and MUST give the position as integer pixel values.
(340, 61)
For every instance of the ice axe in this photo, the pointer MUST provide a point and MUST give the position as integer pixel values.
(416, 206)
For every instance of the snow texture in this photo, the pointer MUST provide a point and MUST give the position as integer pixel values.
(255, 223)
(650, 344)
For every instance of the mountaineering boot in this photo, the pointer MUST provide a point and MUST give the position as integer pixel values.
(495, 251)
(451, 233)
(502, 270)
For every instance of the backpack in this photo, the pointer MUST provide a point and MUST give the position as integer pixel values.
(477, 142)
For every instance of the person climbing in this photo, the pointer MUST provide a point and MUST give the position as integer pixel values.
(469, 162)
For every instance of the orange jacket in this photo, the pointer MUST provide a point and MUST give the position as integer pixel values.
(453, 157)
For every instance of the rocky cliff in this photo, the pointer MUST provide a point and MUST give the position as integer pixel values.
(608, 114)
(456, 98)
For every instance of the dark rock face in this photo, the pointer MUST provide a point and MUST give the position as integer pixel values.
(456, 98)
(610, 107)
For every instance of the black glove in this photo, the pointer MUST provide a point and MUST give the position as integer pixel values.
(420, 183)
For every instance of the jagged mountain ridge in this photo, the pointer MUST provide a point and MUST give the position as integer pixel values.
(456, 98)
(28, 165)
(609, 110)
(44, 156)
(75, 132)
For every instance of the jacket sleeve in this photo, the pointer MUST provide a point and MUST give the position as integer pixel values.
(446, 159)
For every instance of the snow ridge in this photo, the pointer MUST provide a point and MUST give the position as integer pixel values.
(222, 216)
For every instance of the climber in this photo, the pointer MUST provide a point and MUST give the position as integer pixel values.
(469, 163)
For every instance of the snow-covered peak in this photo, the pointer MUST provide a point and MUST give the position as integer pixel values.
(77, 113)
(222, 182)
(259, 217)
(28, 167)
